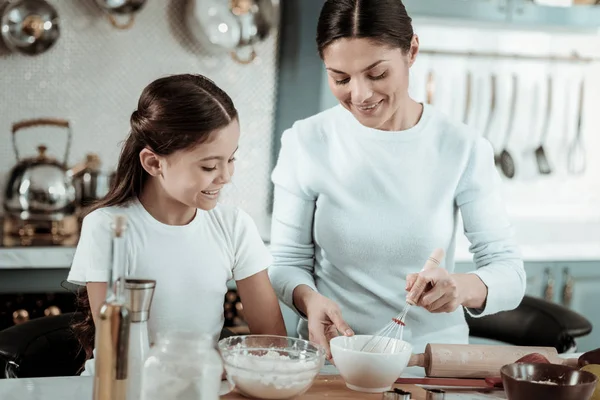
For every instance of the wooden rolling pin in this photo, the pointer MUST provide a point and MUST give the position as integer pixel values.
(475, 361)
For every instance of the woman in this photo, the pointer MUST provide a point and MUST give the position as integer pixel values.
(365, 191)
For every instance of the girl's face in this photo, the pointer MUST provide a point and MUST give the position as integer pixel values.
(195, 177)
(369, 79)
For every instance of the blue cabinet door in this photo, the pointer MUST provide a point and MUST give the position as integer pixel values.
(519, 13)
(580, 291)
(541, 281)
(471, 10)
(577, 17)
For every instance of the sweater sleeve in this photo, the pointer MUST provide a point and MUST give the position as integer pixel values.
(292, 244)
(486, 226)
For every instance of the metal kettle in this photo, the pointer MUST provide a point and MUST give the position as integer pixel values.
(40, 187)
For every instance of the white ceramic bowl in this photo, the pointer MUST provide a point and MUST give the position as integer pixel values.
(370, 372)
(271, 367)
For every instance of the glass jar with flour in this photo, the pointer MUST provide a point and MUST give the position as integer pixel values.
(183, 366)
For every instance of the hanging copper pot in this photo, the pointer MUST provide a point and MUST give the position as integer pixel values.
(30, 26)
(235, 26)
(116, 8)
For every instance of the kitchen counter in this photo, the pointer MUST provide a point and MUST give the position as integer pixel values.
(328, 386)
(539, 241)
(36, 257)
(80, 388)
(333, 387)
(60, 257)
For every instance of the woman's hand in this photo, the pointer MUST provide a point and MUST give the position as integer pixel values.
(433, 289)
(438, 291)
(324, 317)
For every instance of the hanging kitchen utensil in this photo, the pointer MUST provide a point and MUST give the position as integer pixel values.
(118, 8)
(527, 161)
(30, 26)
(40, 188)
(235, 26)
(492, 114)
(430, 87)
(505, 160)
(576, 155)
(540, 154)
(469, 84)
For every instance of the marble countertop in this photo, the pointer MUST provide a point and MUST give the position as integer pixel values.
(539, 241)
(61, 257)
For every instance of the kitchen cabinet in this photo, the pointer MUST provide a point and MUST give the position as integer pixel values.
(576, 17)
(472, 10)
(579, 289)
(575, 285)
(517, 13)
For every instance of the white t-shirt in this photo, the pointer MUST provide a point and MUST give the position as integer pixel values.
(191, 264)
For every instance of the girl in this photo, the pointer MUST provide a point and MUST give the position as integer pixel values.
(178, 156)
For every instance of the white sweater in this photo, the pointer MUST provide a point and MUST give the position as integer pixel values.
(358, 209)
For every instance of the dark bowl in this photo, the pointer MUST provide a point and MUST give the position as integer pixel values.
(524, 381)
(590, 357)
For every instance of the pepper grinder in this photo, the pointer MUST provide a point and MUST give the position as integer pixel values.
(139, 294)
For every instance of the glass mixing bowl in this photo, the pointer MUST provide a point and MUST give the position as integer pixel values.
(271, 367)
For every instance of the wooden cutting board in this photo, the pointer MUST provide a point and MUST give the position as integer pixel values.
(333, 387)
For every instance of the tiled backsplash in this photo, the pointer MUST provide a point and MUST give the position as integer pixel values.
(95, 73)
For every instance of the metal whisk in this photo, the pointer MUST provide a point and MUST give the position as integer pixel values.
(391, 334)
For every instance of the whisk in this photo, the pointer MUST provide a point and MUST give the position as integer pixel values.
(391, 334)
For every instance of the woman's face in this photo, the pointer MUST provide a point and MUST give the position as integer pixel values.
(369, 79)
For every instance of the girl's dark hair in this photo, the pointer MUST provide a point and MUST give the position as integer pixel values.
(173, 113)
(382, 21)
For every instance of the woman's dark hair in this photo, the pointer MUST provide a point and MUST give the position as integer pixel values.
(173, 113)
(385, 22)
